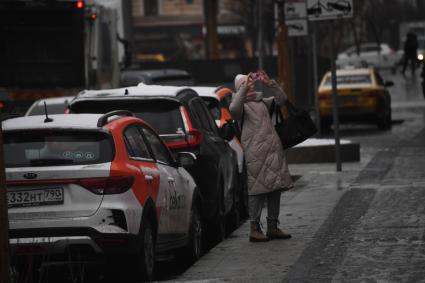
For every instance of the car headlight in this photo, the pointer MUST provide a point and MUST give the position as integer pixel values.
(420, 56)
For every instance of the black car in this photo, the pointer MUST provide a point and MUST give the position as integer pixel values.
(182, 119)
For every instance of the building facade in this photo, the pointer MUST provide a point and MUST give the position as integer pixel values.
(175, 30)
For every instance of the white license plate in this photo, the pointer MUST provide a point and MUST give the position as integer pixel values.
(48, 196)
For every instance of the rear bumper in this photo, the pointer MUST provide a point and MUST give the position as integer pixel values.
(61, 240)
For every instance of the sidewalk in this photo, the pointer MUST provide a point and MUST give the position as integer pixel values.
(303, 210)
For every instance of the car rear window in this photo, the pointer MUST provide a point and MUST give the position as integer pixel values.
(350, 79)
(213, 107)
(163, 115)
(53, 148)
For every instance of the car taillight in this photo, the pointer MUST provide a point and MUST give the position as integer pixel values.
(191, 139)
(107, 186)
(194, 137)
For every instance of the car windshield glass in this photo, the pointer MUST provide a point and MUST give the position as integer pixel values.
(51, 109)
(177, 80)
(350, 79)
(163, 115)
(51, 148)
(213, 107)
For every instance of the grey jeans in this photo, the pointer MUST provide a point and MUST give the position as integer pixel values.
(256, 204)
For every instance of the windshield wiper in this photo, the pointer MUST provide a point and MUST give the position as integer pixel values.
(51, 161)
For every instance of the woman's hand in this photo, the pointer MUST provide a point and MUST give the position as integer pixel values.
(265, 78)
(251, 88)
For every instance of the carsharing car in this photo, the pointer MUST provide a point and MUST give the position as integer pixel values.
(183, 121)
(106, 184)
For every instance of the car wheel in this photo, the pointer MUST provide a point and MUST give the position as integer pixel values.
(194, 249)
(244, 212)
(147, 252)
(384, 122)
(220, 218)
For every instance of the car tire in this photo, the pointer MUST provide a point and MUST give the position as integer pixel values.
(146, 260)
(194, 248)
(243, 182)
(220, 217)
(384, 121)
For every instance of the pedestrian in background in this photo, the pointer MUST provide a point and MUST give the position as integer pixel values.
(267, 170)
(410, 52)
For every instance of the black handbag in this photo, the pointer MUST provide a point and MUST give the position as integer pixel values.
(296, 128)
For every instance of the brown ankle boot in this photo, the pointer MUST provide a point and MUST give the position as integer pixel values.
(273, 232)
(256, 234)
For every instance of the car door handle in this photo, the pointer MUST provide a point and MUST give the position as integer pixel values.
(171, 180)
(148, 178)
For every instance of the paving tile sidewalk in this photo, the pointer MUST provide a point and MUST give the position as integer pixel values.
(303, 210)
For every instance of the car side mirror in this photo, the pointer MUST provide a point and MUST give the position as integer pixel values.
(228, 130)
(186, 159)
(388, 83)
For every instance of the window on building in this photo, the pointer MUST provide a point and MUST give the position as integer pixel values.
(151, 7)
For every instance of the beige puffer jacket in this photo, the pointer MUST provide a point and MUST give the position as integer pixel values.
(264, 156)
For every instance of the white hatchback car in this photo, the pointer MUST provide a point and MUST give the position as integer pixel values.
(371, 55)
(104, 182)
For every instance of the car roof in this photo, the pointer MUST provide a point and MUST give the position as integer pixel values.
(60, 121)
(206, 91)
(139, 91)
(156, 73)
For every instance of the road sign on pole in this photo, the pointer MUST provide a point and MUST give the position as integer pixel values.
(296, 17)
(318, 10)
(297, 27)
(329, 9)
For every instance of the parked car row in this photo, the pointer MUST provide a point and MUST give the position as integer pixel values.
(134, 172)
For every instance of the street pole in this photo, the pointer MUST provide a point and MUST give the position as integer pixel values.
(283, 52)
(210, 12)
(335, 101)
(260, 35)
(4, 222)
(315, 79)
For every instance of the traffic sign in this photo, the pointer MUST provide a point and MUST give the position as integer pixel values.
(295, 9)
(329, 9)
(297, 27)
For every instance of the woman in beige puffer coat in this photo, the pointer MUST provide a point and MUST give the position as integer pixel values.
(267, 170)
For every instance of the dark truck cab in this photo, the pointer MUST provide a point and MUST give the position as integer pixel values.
(54, 48)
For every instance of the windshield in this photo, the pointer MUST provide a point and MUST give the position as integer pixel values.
(163, 115)
(49, 148)
(350, 79)
(38, 109)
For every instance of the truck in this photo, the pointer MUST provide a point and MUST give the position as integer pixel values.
(55, 48)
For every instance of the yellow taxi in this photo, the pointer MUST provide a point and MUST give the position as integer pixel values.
(362, 97)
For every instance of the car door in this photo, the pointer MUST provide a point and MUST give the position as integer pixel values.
(141, 157)
(216, 149)
(179, 194)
